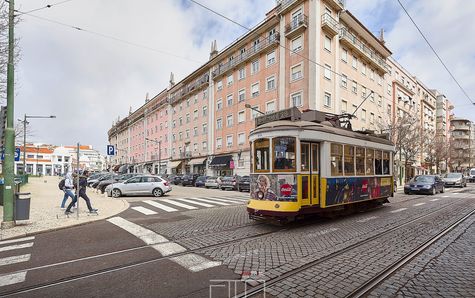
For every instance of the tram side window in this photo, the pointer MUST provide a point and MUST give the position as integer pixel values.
(284, 154)
(315, 155)
(349, 160)
(305, 157)
(369, 162)
(261, 155)
(378, 162)
(360, 161)
(336, 160)
(386, 163)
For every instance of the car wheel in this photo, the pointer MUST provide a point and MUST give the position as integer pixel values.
(157, 192)
(207, 187)
(116, 193)
(434, 191)
(407, 192)
(103, 190)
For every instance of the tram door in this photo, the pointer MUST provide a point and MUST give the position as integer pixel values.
(308, 180)
(315, 173)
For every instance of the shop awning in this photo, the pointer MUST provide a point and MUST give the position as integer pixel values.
(197, 161)
(221, 161)
(174, 164)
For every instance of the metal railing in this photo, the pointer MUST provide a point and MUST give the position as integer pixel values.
(299, 21)
(190, 87)
(328, 20)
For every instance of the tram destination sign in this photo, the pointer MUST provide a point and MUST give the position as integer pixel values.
(292, 114)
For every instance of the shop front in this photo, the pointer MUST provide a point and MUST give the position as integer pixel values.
(222, 165)
(198, 165)
(175, 167)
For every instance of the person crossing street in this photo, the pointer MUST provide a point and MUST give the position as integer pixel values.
(81, 192)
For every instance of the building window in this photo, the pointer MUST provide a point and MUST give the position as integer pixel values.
(371, 74)
(344, 106)
(354, 63)
(180, 121)
(174, 123)
(242, 73)
(371, 118)
(327, 99)
(363, 69)
(354, 87)
(363, 115)
(187, 118)
(241, 116)
(187, 133)
(229, 100)
(188, 103)
(230, 79)
(270, 85)
(255, 67)
(296, 99)
(195, 114)
(242, 95)
(380, 101)
(229, 141)
(271, 58)
(205, 110)
(344, 81)
(180, 135)
(219, 104)
(241, 138)
(344, 55)
(195, 131)
(195, 147)
(363, 92)
(219, 85)
(229, 120)
(255, 90)
(204, 145)
(219, 143)
(205, 128)
(296, 72)
(327, 45)
(297, 44)
(327, 72)
(219, 123)
(270, 107)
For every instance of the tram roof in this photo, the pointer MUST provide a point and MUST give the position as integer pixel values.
(308, 125)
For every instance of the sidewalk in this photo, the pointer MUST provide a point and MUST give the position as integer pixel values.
(45, 212)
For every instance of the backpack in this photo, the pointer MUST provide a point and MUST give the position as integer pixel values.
(61, 184)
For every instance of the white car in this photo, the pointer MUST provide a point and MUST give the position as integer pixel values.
(140, 185)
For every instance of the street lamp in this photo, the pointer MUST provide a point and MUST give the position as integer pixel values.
(159, 153)
(25, 122)
(248, 106)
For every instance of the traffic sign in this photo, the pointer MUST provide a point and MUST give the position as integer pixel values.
(17, 154)
(110, 150)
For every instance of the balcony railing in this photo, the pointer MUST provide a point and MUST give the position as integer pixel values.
(371, 55)
(329, 23)
(296, 25)
(190, 87)
(263, 44)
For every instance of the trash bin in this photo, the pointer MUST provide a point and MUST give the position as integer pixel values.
(22, 205)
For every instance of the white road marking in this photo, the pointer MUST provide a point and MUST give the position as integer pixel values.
(433, 200)
(445, 196)
(398, 210)
(194, 262)
(18, 246)
(13, 278)
(173, 202)
(147, 236)
(213, 202)
(144, 210)
(17, 240)
(232, 201)
(456, 193)
(419, 204)
(169, 248)
(14, 259)
(367, 219)
(160, 206)
(196, 203)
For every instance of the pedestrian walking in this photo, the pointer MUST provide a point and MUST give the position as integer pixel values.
(81, 192)
(68, 189)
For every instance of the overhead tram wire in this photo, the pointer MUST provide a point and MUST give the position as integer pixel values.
(107, 36)
(435, 52)
(46, 6)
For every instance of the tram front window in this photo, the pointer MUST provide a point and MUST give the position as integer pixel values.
(261, 155)
(284, 154)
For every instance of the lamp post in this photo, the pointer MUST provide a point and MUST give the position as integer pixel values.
(25, 122)
(159, 153)
(248, 106)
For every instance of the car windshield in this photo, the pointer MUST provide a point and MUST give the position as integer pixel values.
(454, 175)
(227, 178)
(423, 179)
(472, 172)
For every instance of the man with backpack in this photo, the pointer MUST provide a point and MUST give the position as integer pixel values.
(81, 192)
(67, 185)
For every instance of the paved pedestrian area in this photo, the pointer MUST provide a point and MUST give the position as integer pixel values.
(45, 211)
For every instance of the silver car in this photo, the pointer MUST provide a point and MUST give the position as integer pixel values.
(212, 182)
(140, 185)
(455, 179)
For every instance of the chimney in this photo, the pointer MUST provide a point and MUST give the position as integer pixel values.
(147, 99)
(172, 80)
(381, 36)
(214, 50)
(130, 110)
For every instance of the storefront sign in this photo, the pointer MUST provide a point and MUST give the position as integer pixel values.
(231, 164)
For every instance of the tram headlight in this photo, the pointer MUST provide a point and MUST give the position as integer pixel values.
(277, 206)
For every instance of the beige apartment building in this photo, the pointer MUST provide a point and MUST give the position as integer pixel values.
(305, 54)
(463, 134)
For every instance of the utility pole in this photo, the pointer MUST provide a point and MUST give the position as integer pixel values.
(9, 162)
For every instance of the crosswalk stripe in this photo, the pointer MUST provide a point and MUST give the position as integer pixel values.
(236, 199)
(18, 246)
(169, 248)
(194, 262)
(147, 236)
(398, 210)
(12, 278)
(17, 240)
(180, 204)
(233, 201)
(144, 210)
(196, 203)
(212, 202)
(160, 206)
(14, 259)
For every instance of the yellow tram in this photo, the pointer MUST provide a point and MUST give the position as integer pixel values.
(306, 163)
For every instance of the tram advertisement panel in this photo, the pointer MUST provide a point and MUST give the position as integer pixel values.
(274, 187)
(347, 190)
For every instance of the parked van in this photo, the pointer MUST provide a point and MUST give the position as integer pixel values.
(471, 175)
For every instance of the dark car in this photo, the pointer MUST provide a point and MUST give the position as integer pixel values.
(189, 179)
(428, 184)
(104, 183)
(200, 181)
(455, 179)
(229, 182)
(102, 178)
(175, 179)
(244, 183)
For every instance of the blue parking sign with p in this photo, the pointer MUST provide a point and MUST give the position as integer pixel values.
(110, 150)
(17, 154)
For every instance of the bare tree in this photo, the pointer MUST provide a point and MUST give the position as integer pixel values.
(19, 131)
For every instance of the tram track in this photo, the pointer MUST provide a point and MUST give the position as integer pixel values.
(372, 283)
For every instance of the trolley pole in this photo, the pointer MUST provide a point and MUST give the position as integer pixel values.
(9, 162)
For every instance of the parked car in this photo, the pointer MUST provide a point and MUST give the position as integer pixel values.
(93, 179)
(212, 182)
(229, 182)
(455, 179)
(104, 183)
(102, 178)
(140, 185)
(175, 179)
(471, 175)
(244, 183)
(429, 184)
(201, 181)
(189, 179)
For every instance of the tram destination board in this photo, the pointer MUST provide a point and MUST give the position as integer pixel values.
(287, 114)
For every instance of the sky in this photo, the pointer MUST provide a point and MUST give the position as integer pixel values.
(87, 81)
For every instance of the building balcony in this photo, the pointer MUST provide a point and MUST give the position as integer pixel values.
(329, 24)
(250, 52)
(461, 127)
(189, 88)
(296, 26)
(368, 54)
